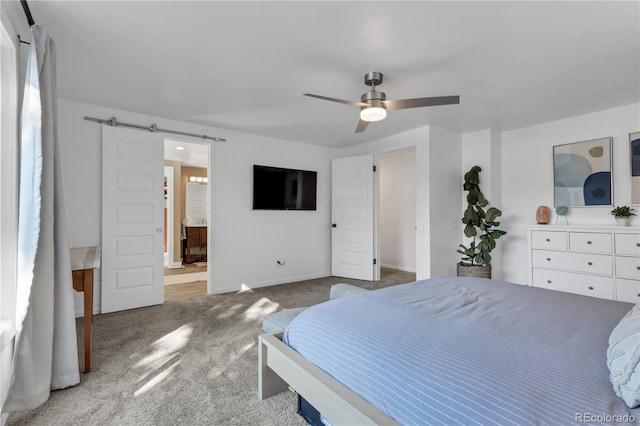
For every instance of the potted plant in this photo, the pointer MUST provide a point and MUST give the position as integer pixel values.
(480, 226)
(623, 215)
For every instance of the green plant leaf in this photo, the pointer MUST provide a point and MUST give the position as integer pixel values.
(468, 214)
(622, 211)
(496, 233)
(481, 212)
(482, 202)
(472, 197)
(492, 214)
(470, 231)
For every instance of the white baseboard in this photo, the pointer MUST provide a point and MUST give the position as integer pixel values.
(228, 289)
(398, 268)
(175, 265)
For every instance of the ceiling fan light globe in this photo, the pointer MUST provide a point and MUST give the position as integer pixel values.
(373, 114)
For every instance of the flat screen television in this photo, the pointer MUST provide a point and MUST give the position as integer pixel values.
(276, 188)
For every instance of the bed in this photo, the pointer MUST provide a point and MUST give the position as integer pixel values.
(451, 351)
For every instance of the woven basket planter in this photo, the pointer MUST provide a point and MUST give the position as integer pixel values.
(473, 271)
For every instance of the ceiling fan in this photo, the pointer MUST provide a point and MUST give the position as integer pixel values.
(374, 105)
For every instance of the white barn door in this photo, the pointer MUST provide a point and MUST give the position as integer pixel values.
(352, 244)
(132, 219)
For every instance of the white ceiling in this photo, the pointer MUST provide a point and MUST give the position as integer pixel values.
(245, 65)
(189, 154)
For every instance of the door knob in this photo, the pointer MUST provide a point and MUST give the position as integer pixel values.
(159, 230)
(333, 225)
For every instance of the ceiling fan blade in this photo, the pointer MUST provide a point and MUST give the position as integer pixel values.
(421, 102)
(361, 126)
(342, 101)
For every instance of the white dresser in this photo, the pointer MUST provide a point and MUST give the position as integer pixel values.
(598, 261)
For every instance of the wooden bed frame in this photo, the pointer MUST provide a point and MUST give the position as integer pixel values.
(281, 368)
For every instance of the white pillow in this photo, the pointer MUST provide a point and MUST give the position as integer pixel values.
(623, 358)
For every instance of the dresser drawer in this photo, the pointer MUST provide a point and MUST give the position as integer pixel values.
(570, 282)
(552, 240)
(628, 267)
(628, 244)
(579, 262)
(590, 242)
(627, 290)
(193, 240)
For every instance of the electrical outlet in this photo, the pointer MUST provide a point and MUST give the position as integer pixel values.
(280, 263)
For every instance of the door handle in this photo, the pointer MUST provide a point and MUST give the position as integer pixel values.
(333, 225)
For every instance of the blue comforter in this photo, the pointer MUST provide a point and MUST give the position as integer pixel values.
(468, 351)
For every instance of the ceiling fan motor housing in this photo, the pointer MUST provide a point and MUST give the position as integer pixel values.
(374, 98)
(373, 78)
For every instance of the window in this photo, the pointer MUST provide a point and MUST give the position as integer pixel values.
(9, 199)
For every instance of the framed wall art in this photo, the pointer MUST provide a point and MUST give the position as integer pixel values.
(582, 173)
(634, 147)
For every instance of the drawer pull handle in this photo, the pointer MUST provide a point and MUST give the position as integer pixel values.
(588, 242)
(549, 240)
(638, 268)
(637, 244)
(548, 259)
(549, 282)
(589, 263)
(590, 287)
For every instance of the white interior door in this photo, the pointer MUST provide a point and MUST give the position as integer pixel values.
(132, 219)
(352, 244)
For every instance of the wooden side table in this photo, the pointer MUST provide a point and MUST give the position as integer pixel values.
(84, 261)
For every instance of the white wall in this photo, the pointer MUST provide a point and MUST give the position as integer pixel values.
(527, 176)
(397, 173)
(444, 192)
(245, 244)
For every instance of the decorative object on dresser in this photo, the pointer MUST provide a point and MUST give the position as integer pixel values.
(561, 212)
(597, 261)
(543, 215)
(634, 153)
(582, 173)
(476, 261)
(623, 215)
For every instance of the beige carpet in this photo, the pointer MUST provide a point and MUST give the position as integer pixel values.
(187, 362)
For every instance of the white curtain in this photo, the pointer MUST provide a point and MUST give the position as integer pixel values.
(45, 356)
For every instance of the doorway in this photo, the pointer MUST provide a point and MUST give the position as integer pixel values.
(374, 217)
(187, 212)
(397, 210)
